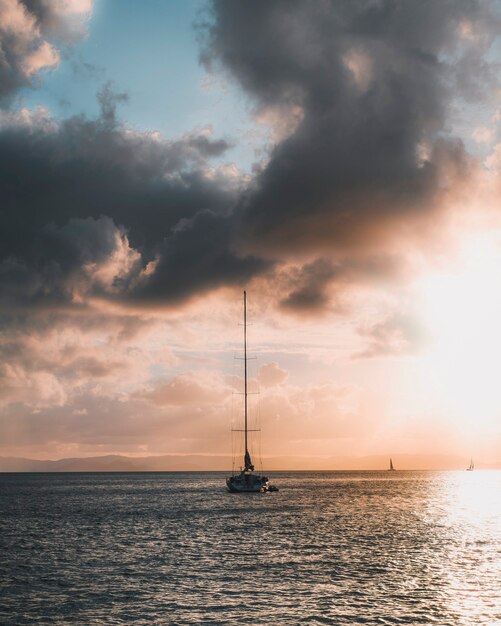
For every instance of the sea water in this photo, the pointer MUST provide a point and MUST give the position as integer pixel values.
(328, 548)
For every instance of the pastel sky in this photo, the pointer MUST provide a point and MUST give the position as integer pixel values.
(339, 160)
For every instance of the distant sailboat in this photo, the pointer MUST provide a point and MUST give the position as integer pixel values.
(247, 481)
(391, 468)
(472, 466)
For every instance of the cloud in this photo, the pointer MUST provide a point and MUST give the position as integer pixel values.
(92, 208)
(493, 160)
(323, 411)
(271, 374)
(81, 258)
(323, 285)
(398, 333)
(354, 92)
(310, 286)
(482, 135)
(27, 29)
(198, 256)
(190, 412)
(52, 359)
(190, 389)
(30, 388)
(374, 82)
(62, 20)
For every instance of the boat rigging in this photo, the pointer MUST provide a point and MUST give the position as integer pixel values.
(247, 481)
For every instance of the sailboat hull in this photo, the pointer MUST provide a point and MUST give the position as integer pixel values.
(247, 483)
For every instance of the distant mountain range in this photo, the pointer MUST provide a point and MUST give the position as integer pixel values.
(194, 462)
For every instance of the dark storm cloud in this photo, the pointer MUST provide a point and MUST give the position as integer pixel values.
(373, 80)
(92, 208)
(314, 285)
(87, 168)
(89, 192)
(309, 286)
(197, 257)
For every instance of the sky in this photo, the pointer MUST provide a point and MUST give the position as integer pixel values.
(341, 161)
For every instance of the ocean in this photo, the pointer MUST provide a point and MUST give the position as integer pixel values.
(176, 548)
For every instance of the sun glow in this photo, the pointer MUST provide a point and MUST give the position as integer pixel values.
(461, 309)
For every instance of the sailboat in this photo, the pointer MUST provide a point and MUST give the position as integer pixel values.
(247, 481)
(472, 466)
(391, 468)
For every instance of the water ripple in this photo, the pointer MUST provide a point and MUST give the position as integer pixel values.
(329, 548)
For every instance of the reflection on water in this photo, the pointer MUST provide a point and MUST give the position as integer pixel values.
(329, 548)
(473, 518)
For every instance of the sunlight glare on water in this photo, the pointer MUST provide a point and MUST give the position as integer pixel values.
(329, 548)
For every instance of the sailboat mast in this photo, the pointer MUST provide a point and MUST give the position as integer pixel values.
(245, 368)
